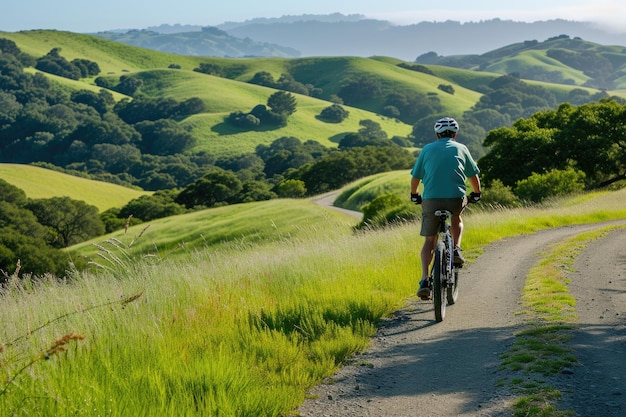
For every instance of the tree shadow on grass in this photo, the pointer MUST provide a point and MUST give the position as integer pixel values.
(226, 128)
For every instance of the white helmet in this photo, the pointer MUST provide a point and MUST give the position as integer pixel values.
(446, 123)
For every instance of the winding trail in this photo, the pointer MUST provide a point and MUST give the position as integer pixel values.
(416, 367)
(328, 200)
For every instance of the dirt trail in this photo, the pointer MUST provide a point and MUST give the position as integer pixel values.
(416, 367)
(328, 200)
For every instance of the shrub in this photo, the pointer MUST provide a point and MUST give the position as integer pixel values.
(447, 88)
(386, 209)
(291, 189)
(500, 195)
(334, 114)
(538, 187)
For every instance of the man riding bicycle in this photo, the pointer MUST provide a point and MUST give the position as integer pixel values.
(443, 167)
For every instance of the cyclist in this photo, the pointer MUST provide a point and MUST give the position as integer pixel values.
(443, 167)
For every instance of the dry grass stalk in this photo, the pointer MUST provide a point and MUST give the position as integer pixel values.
(60, 344)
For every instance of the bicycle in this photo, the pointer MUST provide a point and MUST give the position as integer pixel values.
(444, 276)
(443, 279)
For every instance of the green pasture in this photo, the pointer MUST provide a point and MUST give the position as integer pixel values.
(240, 224)
(221, 139)
(112, 57)
(74, 85)
(39, 182)
(535, 58)
(467, 78)
(260, 303)
(225, 95)
(459, 102)
(354, 196)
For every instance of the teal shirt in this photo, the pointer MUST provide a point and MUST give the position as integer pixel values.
(443, 167)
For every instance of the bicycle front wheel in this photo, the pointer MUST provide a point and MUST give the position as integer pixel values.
(439, 290)
(453, 292)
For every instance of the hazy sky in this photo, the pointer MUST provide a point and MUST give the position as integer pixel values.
(92, 16)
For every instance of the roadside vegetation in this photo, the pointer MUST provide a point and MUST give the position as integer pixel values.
(540, 350)
(237, 328)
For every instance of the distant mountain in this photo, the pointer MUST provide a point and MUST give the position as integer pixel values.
(206, 41)
(366, 37)
(353, 35)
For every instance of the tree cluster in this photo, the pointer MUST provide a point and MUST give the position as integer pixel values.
(333, 114)
(280, 106)
(133, 142)
(505, 99)
(285, 82)
(54, 63)
(287, 167)
(33, 231)
(582, 146)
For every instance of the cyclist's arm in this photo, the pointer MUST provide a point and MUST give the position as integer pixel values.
(415, 182)
(475, 183)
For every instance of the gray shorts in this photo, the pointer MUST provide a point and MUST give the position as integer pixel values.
(430, 222)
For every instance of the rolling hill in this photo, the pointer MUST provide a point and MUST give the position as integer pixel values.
(39, 183)
(221, 95)
(231, 91)
(559, 60)
(468, 77)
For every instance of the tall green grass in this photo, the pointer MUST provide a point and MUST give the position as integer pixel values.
(241, 328)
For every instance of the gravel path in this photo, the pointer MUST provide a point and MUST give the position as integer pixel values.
(417, 367)
(598, 385)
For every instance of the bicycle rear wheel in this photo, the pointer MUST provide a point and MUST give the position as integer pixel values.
(452, 293)
(439, 290)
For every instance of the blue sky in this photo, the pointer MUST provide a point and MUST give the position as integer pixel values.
(92, 16)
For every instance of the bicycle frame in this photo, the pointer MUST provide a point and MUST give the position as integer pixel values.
(444, 274)
(446, 238)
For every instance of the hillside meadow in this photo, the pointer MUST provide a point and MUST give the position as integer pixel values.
(241, 325)
(39, 183)
(232, 91)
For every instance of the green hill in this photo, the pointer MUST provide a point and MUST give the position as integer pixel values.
(231, 90)
(222, 96)
(244, 225)
(44, 183)
(560, 60)
(425, 91)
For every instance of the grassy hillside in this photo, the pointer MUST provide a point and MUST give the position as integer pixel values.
(243, 327)
(562, 60)
(223, 96)
(44, 183)
(232, 92)
(236, 310)
(535, 58)
(112, 57)
(361, 192)
(239, 225)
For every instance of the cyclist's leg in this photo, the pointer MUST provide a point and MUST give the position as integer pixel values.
(456, 229)
(427, 254)
(430, 228)
(456, 207)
